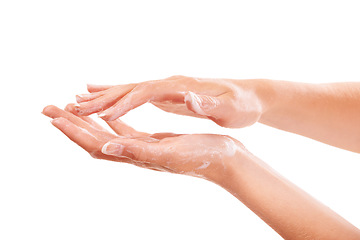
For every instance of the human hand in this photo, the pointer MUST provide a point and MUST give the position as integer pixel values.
(227, 102)
(200, 155)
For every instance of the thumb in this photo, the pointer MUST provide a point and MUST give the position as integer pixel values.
(132, 148)
(207, 105)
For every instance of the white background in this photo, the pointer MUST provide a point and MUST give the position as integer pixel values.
(49, 50)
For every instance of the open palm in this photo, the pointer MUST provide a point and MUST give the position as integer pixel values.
(192, 154)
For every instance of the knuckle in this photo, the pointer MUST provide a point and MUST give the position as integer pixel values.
(173, 77)
(142, 86)
(185, 80)
(181, 79)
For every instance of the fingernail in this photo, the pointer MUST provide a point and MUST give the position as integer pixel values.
(79, 98)
(83, 96)
(55, 121)
(112, 149)
(102, 114)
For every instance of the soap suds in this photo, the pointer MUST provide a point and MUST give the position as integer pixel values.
(195, 102)
(230, 147)
(204, 165)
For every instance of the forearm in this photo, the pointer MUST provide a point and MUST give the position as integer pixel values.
(283, 206)
(329, 113)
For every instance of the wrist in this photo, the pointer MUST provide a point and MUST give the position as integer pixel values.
(263, 92)
(266, 94)
(229, 168)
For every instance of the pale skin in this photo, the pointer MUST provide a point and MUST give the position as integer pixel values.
(325, 112)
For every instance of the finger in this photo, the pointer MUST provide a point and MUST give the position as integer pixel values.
(123, 129)
(133, 148)
(105, 101)
(97, 88)
(71, 108)
(88, 97)
(85, 140)
(212, 107)
(117, 125)
(55, 112)
(142, 93)
(79, 135)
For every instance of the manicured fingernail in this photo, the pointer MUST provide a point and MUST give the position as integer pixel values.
(55, 121)
(83, 97)
(102, 114)
(112, 149)
(79, 98)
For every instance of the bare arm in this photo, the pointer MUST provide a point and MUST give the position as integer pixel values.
(329, 113)
(290, 211)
